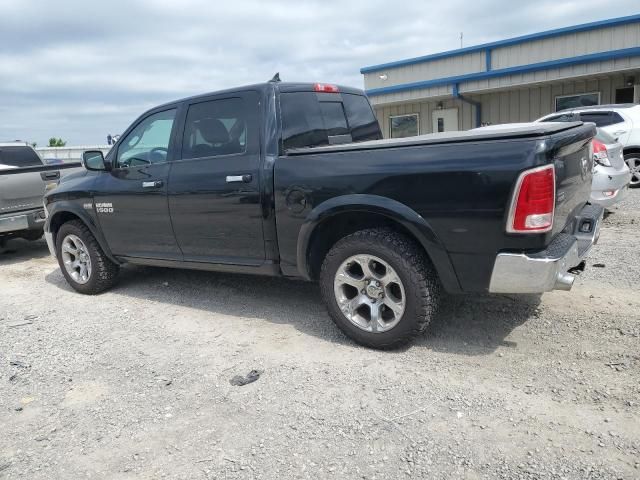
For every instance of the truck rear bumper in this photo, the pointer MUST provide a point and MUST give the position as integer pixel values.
(553, 268)
(610, 186)
(31, 220)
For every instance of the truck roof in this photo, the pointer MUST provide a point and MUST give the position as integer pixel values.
(282, 86)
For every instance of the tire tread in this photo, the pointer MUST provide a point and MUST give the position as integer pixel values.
(414, 262)
(105, 270)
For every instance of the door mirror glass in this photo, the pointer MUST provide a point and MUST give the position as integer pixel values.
(93, 160)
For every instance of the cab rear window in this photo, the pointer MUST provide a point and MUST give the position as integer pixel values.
(19, 156)
(308, 120)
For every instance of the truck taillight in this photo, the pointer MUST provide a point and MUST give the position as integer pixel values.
(533, 202)
(326, 88)
(600, 154)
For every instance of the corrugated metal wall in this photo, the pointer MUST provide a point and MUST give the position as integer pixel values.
(518, 105)
(572, 45)
(552, 75)
(563, 46)
(419, 72)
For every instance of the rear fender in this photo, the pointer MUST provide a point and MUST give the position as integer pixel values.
(418, 227)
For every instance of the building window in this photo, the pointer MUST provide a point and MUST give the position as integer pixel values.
(404, 125)
(580, 100)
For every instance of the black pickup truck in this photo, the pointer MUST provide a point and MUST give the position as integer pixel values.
(293, 179)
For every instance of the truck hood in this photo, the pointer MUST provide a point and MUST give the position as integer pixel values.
(72, 176)
(75, 184)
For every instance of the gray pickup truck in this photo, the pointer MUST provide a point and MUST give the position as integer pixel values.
(24, 178)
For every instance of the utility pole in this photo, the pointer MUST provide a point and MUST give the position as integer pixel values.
(461, 36)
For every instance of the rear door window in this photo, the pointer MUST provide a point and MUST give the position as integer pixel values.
(616, 118)
(215, 128)
(601, 119)
(310, 121)
(19, 156)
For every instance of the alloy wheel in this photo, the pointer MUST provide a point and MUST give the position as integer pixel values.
(369, 293)
(76, 259)
(634, 165)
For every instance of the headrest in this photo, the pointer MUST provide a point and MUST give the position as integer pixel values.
(213, 131)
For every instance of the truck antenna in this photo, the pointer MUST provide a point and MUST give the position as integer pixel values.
(276, 77)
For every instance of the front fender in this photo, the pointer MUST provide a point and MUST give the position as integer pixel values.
(78, 208)
(391, 209)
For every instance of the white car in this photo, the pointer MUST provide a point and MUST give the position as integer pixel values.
(621, 121)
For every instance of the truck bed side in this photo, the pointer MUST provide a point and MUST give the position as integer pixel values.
(461, 187)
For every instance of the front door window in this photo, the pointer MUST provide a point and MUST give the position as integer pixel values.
(148, 142)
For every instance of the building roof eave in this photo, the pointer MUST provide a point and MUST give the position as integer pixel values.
(533, 67)
(612, 22)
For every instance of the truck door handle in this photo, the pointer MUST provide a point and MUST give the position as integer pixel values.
(153, 184)
(50, 175)
(246, 178)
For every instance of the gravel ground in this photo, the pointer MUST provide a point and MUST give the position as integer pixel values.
(135, 383)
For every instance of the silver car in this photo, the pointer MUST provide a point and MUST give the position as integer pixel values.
(611, 175)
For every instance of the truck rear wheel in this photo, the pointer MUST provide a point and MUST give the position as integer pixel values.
(82, 261)
(379, 287)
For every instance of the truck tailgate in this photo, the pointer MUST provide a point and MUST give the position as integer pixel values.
(570, 152)
(23, 188)
(21, 191)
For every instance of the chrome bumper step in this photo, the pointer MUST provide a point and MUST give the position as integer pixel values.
(554, 268)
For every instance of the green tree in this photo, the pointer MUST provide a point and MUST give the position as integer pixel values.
(56, 142)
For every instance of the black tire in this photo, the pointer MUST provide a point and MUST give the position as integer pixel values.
(628, 158)
(103, 271)
(421, 285)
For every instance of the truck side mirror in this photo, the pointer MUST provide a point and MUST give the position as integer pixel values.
(94, 160)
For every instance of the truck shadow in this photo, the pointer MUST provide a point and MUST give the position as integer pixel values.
(19, 250)
(468, 325)
(478, 324)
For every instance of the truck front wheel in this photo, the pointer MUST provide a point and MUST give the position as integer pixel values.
(82, 261)
(379, 287)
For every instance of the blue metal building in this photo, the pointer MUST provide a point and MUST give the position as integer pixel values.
(513, 80)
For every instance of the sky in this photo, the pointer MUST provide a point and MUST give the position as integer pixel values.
(81, 69)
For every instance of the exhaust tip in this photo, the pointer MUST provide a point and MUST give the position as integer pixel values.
(564, 281)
